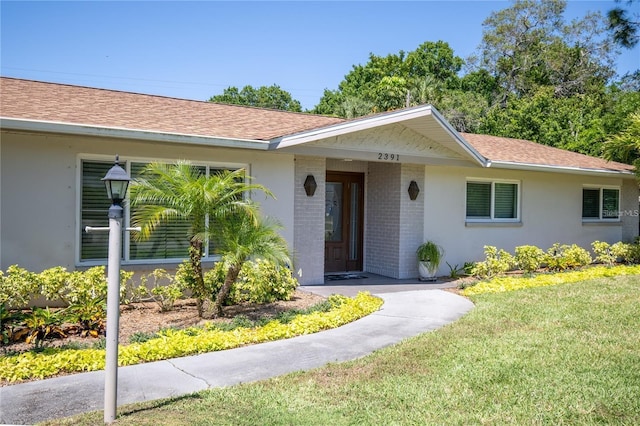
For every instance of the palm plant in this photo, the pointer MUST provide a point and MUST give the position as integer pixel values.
(243, 238)
(625, 145)
(170, 193)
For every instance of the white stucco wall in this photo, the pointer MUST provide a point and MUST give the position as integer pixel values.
(551, 211)
(40, 207)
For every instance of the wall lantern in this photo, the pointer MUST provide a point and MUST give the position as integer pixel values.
(413, 190)
(310, 185)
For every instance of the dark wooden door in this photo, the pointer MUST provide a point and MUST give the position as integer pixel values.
(344, 217)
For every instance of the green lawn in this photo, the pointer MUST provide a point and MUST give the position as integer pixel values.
(566, 354)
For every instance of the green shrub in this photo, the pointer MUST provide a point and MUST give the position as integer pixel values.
(562, 256)
(263, 281)
(496, 262)
(259, 281)
(185, 278)
(529, 258)
(84, 293)
(626, 253)
(17, 287)
(160, 287)
(141, 337)
(603, 253)
(512, 283)
(42, 324)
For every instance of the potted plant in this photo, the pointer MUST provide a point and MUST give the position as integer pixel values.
(430, 256)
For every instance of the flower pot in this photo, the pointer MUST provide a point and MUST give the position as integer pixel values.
(427, 271)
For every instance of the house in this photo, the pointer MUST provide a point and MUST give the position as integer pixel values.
(353, 195)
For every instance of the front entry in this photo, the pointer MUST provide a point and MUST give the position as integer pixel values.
(344, 217)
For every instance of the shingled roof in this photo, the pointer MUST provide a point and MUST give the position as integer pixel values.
(76, 105)
(524, 152)
(62, 103)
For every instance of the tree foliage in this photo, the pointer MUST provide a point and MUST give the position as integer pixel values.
(536, 75)
(166, 193)
(624, 26)
(240, 238)
(625, 145)
(394, 81)
(529, 45)
(272, 97)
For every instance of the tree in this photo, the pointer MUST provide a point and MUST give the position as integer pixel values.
(625, 146)
(394, 81)
(170, 193)
(573, 123)
(272, 97)
(528, 45)
(624, 27)
(241, 237)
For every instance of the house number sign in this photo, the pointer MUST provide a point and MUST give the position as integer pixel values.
(385, 156)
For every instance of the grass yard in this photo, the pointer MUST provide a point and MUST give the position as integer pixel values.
(566, 354)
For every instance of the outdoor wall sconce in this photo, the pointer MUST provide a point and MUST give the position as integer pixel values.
(413, 190)
(310, 185)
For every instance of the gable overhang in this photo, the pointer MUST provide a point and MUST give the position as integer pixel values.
(423, 119)
(38, 126)
(621, 174)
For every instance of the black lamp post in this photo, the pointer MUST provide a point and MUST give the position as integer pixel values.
(116, 180)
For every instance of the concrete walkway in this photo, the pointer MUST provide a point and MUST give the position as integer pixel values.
(408, 310)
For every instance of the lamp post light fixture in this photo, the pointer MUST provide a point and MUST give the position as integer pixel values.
(116, 180)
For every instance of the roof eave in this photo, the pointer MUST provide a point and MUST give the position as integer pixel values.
(124, 133)
(378, 121)
(479, 158)
(624, 174)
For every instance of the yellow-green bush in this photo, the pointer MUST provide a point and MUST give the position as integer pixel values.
(511, 283)
(175, 343)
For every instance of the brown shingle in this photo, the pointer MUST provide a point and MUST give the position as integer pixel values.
(521, 151)
(33, 100)
(25, 99)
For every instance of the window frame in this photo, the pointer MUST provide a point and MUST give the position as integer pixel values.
(492, 214)
(126, 163)
(601, 189)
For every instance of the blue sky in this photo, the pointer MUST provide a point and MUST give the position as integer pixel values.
(194, 50)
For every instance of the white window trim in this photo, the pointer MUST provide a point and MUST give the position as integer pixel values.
(127, 212)
(600, 219)
(493, 219)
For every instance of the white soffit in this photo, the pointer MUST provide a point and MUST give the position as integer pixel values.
(424, 120)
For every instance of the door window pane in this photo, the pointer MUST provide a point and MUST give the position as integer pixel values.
(354, 222)
(333, 212)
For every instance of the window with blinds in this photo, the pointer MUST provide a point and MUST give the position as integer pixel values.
(591, 203)
(506, 201)
(479, 200)
(492, 200)
(600, 203)
(94, 210)
(170, 241)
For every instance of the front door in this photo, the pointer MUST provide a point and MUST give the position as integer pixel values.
(344, 217)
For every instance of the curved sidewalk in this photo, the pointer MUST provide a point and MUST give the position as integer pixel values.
(404, 314)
